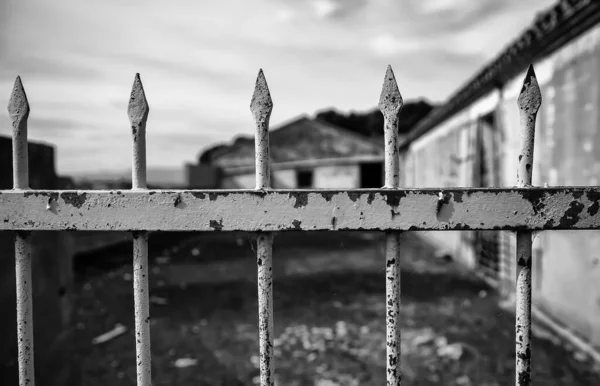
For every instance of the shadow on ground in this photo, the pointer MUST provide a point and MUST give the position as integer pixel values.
(329, 317)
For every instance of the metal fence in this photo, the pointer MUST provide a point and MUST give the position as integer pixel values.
(263, 210)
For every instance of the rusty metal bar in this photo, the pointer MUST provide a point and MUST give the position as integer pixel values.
(138, 114)
(530, 100)
(390, 104)
(512, 209)
(18, 109)
(261, 107)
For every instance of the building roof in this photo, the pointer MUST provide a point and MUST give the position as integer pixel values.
(550, 30)
(303, 138)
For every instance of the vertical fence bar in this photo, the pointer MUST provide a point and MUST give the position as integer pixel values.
(18, 109)
(529, 102)
(261, 107)
(138, 114)
(390, 104)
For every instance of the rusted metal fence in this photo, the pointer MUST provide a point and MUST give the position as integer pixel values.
(263, 210)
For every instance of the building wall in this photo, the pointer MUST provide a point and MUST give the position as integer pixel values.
(52, 282)
(324, 177)
(337, 177)
(566, 269)
(200, 176)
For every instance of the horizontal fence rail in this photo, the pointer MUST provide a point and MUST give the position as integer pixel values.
(290, 210)
(523, 209)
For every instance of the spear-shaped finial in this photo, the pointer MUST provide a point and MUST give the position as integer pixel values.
(261, 104)
(261, 107)
(530, 98)
(529, 102)
(18, 109)
(390, 101)
(18, 106)
(390, 104)
(138, 108)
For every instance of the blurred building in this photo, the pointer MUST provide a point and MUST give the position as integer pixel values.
(305, 153)
(473, 140)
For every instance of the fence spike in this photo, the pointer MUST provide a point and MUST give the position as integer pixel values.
(529, 102)
(18, 105)
(261, 107)
(18, 109)
(138, 108)
(390, 104)
(261, 104)
(530, 97)
(390, 100)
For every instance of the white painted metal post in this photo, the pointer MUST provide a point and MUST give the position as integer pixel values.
(138, 114)
(261, 107)
(390, 104)
(530, 100)
(18, 109)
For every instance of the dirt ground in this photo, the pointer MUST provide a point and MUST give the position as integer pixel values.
(329, 308)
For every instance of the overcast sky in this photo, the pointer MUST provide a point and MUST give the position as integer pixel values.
(199, 59)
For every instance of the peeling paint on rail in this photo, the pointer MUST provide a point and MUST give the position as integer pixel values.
(291, 210)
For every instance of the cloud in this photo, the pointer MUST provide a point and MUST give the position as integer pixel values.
(324, 8)
(199, 62)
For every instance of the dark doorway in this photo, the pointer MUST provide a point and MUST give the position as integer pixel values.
(371, 175)
(304, 178)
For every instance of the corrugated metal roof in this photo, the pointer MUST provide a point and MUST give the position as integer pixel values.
(550, 30)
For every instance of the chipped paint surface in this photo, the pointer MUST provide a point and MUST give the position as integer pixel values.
(276, 210)
(142, 308)
(24, 309)
(529, 103)
(138, 110)
(261, 107)
(392, 295)
(390, 104)
(264, 262)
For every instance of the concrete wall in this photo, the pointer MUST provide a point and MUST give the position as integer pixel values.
(566, 264)
(52, 283)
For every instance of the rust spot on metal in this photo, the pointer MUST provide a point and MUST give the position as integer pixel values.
(353, 196)
(593, 209)
(370, 198)
(199, 195)
(536, 198)
(213, 196)
(216, 225)
(457, 196)
(74, 199)
(301, 199)
(297, 224)
(327, 195)
(571, 216)
(393, 198)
